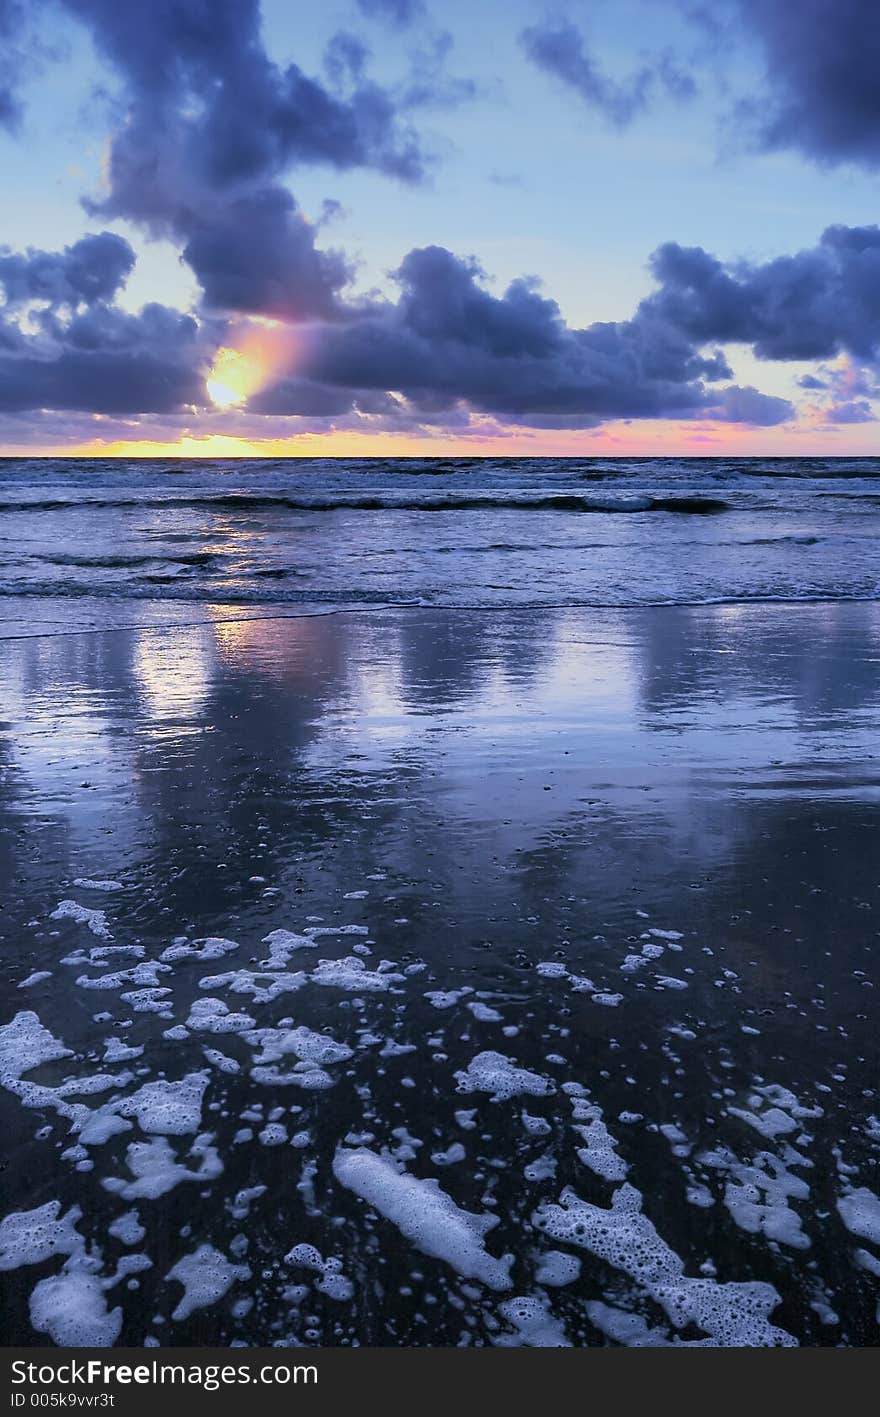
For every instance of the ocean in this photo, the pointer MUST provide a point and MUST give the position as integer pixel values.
(496, 967)
(140, 542)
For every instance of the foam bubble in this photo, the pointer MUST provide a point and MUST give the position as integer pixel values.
(127, 1228)
(36, 978)
(31, 1236)
(557, 1269)
(630, 1330)
(263, 987)
(94, 920)
(332, 1281)
(275, 1134)
(757, 1195)
(156, 1170)
(72, 1309)
(206, 1275)
(282, 944)
(534, 1326)
(733, 1315)
(213, 1016)
(172, 1108)
(352, 974)
(211, 947)
(599, 1151)
(24, 1045)
(860, 1213)
(221, 1061)
(144, 975)
(498, 1075)
(424, 1214)
(483, 1013)
(115, 1051)
(551, 969)
(312, 1049)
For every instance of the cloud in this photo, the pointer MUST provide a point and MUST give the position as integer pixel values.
(92, 269)
(849, 389)
(99, 381)
(429, 85)
(12, 18)
(748, 405)
(212, 127)
(393, 12)
(345, 58)
(209, 111)
(560, 49)
(822, 60)
(301, 398)
(445, 349)
(448, 341)
(108, 362)
(855, 411)
(64, 344)
(256, 254)
(811, 305)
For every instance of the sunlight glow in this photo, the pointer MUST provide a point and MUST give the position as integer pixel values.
(228, 378)
(260, 354)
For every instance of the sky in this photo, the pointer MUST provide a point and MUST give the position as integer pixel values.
(422, 228)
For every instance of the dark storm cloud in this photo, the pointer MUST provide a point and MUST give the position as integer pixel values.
(823, 62)
(813, 305)
(94, 268)
(448, 339)
(560, 49)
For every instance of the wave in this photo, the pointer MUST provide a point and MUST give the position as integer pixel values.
(122, 563)
(873, 498)
(699, 506)
(340, 597)
(388, 502)
(790, 540)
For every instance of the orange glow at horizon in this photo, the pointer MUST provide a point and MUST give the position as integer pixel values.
(661, 438)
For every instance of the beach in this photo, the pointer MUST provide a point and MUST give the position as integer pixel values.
(439, 690)
(432, 975)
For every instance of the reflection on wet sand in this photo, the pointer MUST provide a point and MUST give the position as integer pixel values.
(629, 852)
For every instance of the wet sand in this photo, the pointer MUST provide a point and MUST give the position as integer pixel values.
(633, 853)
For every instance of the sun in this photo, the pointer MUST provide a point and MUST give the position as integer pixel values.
(230, 378)
(221, 394)
(262, 350)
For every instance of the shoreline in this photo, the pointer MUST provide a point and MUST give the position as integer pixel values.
(287, 611)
